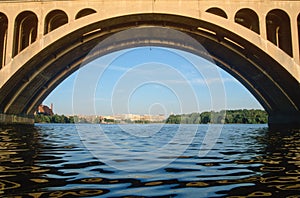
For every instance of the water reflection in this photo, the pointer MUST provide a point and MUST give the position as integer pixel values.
(22, 150)
(247, 161)
(280, 165)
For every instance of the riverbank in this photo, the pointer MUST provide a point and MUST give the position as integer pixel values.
(242, 116)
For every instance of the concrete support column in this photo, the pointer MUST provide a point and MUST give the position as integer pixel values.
(10, 39)
(262, 26)
(41, 23)
(295, 39)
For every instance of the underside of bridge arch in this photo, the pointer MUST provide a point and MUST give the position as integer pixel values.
(265, 78)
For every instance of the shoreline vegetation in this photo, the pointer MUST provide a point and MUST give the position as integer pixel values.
(241, 116)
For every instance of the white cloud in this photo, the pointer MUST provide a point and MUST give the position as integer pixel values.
(201, 81)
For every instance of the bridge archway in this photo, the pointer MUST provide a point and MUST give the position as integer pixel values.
(54, 20)
(26, 25)
(84, 12)
(270, 83)
(3, 38)
(247, 18)
(298, 25)
(279, 30)
(218, 12)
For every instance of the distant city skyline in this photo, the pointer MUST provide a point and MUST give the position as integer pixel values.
(149, 80)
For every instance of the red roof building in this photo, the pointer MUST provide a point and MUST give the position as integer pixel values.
(45, 110)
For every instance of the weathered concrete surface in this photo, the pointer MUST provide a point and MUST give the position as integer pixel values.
(6, 119)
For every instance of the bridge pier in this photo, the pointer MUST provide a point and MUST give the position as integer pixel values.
(6, 119)
(284, 121)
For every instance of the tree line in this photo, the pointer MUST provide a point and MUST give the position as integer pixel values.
(41, 118)
(242, 116)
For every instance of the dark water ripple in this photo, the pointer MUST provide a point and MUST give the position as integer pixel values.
(52, 161)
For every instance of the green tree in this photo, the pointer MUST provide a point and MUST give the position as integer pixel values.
(243, 116)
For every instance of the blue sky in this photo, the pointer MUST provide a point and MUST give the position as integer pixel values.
(149, 80)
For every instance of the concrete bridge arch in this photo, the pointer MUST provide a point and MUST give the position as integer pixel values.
(271, 75)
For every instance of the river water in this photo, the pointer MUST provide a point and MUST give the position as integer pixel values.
(62, 160)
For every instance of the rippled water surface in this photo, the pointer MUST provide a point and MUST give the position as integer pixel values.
(52, 160)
